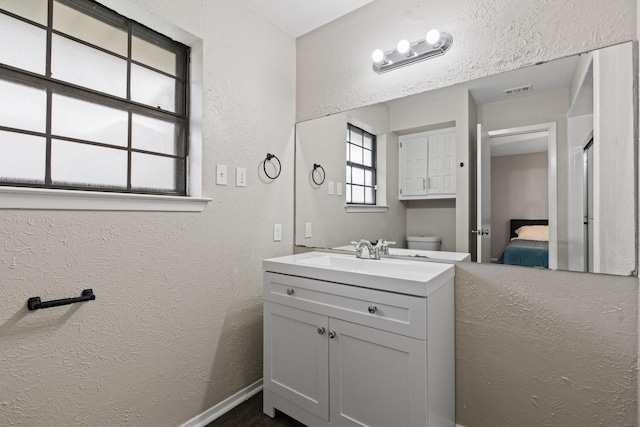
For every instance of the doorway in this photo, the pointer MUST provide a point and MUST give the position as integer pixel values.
(514, 141)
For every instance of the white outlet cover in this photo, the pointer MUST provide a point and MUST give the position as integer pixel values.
(330, 187)
(277, 232)
(339, 188)
(221, 174)
(307, 230)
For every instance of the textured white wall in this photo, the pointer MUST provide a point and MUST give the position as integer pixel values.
(177, 323)
(544, 348)
(334, 62)
(532, 347)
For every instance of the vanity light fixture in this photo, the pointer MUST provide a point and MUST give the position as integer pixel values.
(434, 44)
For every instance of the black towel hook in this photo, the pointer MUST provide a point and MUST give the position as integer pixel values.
(264, 165)
(313, 177)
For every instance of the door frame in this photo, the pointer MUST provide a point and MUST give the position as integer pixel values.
(552, 150)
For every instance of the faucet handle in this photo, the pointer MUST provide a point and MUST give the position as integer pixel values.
(358, 246)
(385, 246)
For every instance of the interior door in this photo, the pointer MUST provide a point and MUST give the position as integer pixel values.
(413, 166)
(442, 171)
(483, 222)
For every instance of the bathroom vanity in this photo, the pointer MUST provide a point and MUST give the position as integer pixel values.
(359, 342)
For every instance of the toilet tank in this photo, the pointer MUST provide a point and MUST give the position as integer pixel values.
(425, 243)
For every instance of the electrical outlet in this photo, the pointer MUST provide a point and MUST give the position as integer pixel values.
(330, 187)
(241, 177)
(307, 230)
(277, 232)
(221, 174)
(339, 188)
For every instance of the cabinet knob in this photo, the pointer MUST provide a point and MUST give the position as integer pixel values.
(321, 330)
(373, 309)
(289, 291)
(332, 334)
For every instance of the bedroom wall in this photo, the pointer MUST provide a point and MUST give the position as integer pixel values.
(532, 347)
(176, 326)
(519, 189)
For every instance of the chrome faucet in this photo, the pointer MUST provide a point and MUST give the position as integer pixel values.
(373, 251)
(381, 247)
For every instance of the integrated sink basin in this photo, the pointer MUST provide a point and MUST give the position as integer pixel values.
(419, 253)
(418, 278)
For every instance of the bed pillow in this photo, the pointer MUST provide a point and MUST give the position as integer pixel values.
(538, 233)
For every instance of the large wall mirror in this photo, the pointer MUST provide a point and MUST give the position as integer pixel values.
(551, 146)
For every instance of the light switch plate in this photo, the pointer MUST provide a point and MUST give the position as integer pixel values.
(307, 230)
(277, 232)
(241, 177)
(330, 187)
(221, 174)
(339, 188)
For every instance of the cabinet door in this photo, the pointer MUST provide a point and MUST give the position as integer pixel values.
(413, 166)
(378, 379)
(296, 365)
(442, 159)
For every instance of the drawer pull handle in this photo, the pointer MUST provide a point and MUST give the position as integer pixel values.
(321, 331)
(332, 334)
(373, 309)
(289, 291)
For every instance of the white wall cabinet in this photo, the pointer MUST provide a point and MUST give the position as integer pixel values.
(340, 355)
(427, 165)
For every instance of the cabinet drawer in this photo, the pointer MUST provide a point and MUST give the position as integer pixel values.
(401, 314)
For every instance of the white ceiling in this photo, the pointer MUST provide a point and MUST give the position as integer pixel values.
(298, 17)
(535, 142)
(546, 77)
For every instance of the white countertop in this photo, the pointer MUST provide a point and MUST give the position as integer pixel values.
(419, 278)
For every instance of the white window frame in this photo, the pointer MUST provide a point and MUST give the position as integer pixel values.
(53, 199)
(381, 172)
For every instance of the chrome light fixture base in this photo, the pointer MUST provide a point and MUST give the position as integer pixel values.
(419, 51)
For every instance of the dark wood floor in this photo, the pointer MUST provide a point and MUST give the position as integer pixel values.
(249, 414)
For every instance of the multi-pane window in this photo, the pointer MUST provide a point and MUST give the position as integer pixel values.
(90, 100)
(361, 167)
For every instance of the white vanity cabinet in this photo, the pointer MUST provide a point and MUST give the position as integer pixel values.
(344, 355)
(427, 165)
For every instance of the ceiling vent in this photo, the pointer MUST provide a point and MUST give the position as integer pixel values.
(518, 90)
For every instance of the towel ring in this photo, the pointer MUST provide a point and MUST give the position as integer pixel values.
(313, 177)
(264, 165)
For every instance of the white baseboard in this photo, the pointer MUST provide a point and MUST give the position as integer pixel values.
(225, 406)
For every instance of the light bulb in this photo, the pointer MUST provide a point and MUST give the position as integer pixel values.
(433, 37)
(404, 47)
(378, 56)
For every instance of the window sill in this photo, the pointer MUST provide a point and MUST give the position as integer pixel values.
(47, 199)
(366, 208)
